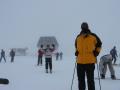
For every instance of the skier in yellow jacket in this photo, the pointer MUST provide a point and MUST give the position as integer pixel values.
(88, 46)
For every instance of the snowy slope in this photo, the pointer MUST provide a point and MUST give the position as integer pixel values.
(24, 74)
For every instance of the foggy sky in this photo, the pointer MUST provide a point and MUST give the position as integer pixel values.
(22, 22)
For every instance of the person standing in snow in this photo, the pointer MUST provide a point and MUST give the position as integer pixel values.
(12, 55)
(113, 52)
(2, 55)
(48, 57)
(57, 55)
(106, 60)
(40, 55)
(88, 47)
(61, 55)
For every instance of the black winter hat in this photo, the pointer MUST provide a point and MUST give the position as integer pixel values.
(84, 25)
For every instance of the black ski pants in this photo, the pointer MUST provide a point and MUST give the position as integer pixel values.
(88, 70)
(48, 63)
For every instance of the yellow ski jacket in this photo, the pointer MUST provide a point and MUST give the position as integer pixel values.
(87, 48)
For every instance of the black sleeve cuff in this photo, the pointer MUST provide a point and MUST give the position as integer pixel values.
(76, 53)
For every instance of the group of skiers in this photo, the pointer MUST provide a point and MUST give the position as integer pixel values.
(59, 55)
(2, 56)
(88, 46)
(11, 53)
(48, 53)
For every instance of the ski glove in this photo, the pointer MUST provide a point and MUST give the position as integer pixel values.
(95, 53)
(76, 53)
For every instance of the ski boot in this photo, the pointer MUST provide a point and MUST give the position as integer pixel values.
(113, 77)
(102, 76)
(46, 70)
(50, 71)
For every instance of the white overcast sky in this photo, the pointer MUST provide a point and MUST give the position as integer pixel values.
(22, 22)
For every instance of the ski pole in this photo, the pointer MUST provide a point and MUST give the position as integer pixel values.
(73, 76)
(98, 75)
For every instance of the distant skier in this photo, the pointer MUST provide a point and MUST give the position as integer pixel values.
(40, 55)
(113, 52)
(48, 57)
(2, 55)
(57, 55)
(105, 61)
(61, 55)
(12, 55)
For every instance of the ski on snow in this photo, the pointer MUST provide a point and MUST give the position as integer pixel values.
(107, 78)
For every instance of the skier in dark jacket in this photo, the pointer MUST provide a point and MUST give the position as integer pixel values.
(57, 55)
(113, 52)
(12, 55)
(2, 55)
(40, 55)
(88, 47)
(61, 55)
(48, 57)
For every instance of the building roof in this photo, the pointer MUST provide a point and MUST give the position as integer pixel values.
(47, 40)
